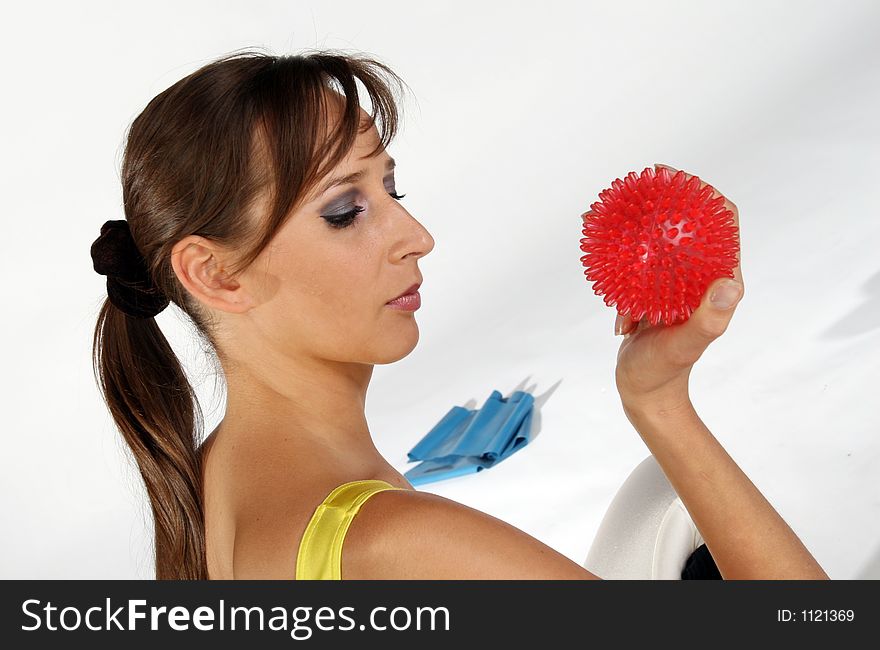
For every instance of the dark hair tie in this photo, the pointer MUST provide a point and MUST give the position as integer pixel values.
(129, 285)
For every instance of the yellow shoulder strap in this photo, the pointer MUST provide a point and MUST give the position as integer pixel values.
(320, 550)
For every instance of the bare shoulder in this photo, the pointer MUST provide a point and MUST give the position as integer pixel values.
(415, 535)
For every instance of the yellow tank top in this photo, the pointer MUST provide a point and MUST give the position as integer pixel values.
(320, 550)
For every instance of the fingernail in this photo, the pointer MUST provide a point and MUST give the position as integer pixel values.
(618, 327)
(726, 294)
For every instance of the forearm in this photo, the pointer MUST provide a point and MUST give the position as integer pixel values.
(745, 535)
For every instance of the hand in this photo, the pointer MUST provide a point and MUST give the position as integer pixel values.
(655, 362)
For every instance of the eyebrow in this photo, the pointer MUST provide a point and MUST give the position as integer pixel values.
(353, 177)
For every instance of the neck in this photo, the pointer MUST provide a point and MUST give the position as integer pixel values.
(310, 405)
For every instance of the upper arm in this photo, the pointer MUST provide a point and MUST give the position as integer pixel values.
(413, 535)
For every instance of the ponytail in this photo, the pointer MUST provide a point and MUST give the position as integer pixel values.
(154, 407)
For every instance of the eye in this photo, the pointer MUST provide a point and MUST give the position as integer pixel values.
(346, 219)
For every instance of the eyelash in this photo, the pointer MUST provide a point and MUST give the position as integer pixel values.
(340, 221)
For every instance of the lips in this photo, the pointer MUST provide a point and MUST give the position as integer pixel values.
(410, 290)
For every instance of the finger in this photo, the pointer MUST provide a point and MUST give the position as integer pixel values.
(728, 204)
(687, 341)
(629, 326)
(623, 324)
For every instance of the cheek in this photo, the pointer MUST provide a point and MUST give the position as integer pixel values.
(331, 298)
(342, 292)
(346, 281)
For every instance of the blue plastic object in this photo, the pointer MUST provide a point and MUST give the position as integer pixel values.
(466, 441)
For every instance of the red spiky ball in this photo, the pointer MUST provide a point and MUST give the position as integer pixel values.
(654, 242)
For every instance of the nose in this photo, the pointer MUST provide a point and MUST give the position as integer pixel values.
(413, 238)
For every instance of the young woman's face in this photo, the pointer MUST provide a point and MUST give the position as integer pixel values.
(323, 284)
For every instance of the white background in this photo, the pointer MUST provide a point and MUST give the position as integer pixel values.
(523, 112)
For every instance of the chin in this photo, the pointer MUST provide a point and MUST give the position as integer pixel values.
(397, 345)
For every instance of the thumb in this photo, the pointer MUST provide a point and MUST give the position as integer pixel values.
(709, 320)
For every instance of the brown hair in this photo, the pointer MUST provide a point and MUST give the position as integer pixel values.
(195, 160)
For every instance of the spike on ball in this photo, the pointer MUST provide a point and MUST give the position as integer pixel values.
(654, 242)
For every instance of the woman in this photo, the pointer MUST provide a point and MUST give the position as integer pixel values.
(261, 201)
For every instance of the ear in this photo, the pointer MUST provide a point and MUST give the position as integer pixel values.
(199, 265)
